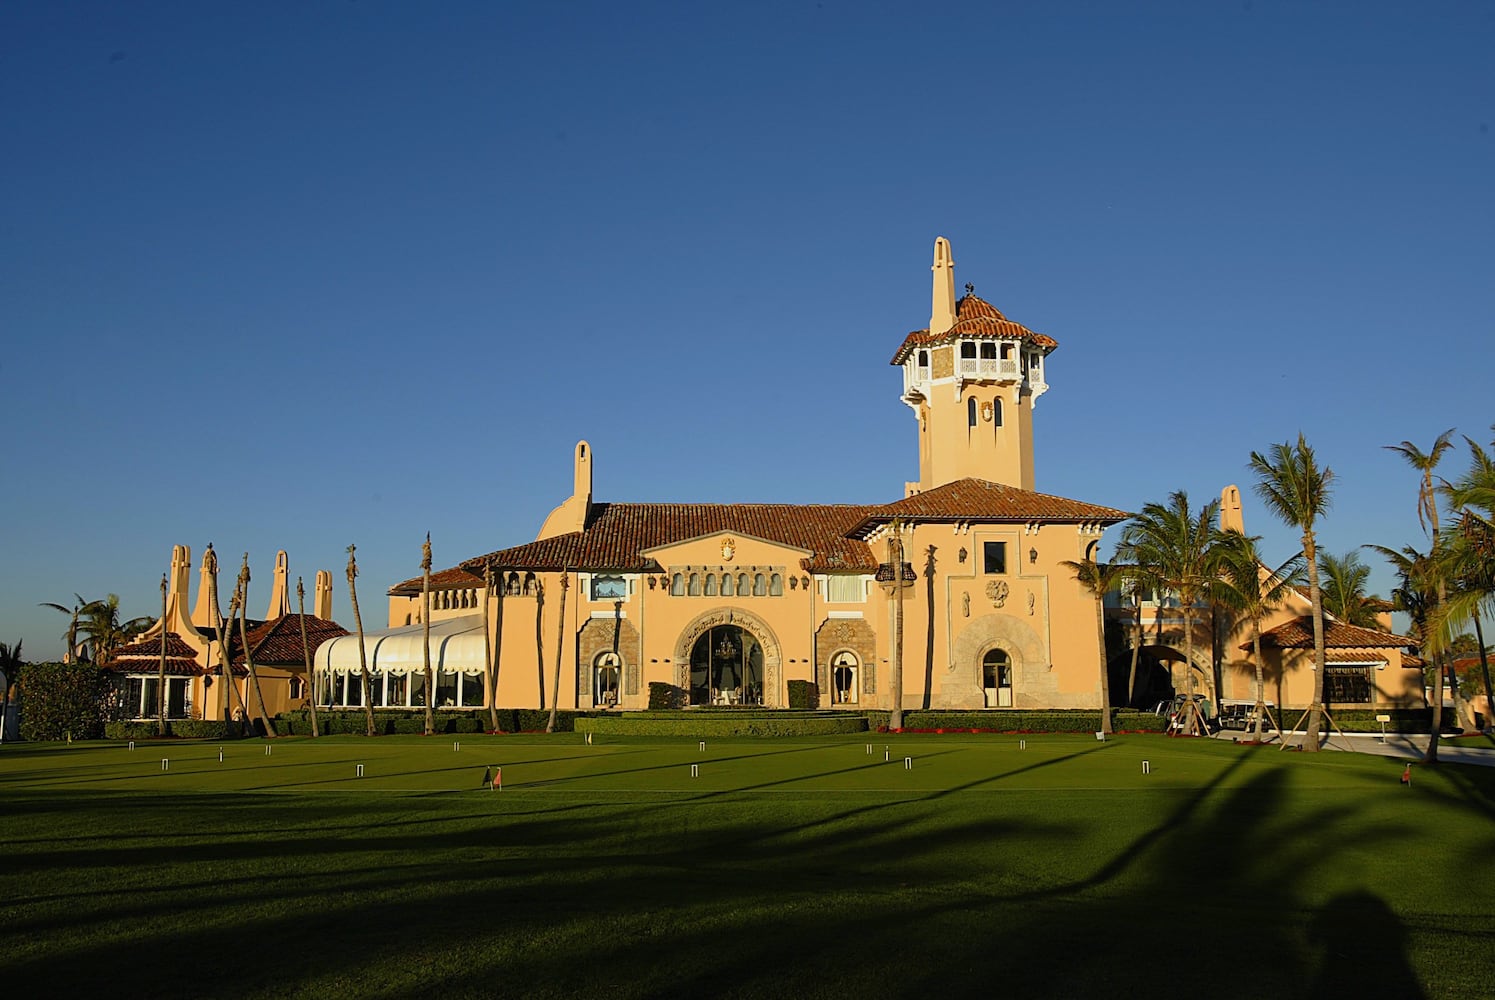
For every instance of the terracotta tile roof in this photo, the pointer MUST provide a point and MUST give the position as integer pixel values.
(1298, 634)
(990, 503)
(277, 642)
(618, 533)
(144, 657)
(974, 318)
(455, 578)
(1347, 656)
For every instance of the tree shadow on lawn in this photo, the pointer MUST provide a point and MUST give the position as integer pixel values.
(710, 896)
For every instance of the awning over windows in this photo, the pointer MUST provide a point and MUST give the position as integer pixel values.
(456, 647)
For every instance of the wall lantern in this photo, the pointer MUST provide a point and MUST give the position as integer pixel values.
(1032, 556)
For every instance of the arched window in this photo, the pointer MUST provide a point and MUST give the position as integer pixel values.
(923, 359)
(742, 585)
(971, 412)
(967, 349)
(727, 588)
(693, 585)
(844, 680)
(760, 585)
(677, 586)
(996, 411)
(775, 586)
(710, 584)
(996, 678)
(988, 351)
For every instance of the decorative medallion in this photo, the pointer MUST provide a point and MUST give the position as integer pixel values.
(996, 592)
(729, 547)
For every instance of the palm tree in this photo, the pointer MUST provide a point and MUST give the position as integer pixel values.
(1468, 551)
(895, 682)
(254, 677)
(491, 645)
(425, 617)
(311, 671)
(1099, 579)
(225, 637)
(100, 630)
(161, 671)
(10, 667)
(1251, 595)
(71, 635)
(1294, 487)
(560, 642)
(363, 662)
(1344, 580)
(1427, 517)
(1180, 549)
(1417, 594)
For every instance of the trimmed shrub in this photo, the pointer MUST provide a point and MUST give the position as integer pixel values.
(1363, 720)
(1008, 720)
(720, 724)
(129, 729)
(803, 695)
(664, 696)
(62, 700)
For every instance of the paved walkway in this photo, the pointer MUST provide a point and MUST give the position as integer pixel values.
(1478, 750)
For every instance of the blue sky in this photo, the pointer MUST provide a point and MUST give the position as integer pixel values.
(299, 275)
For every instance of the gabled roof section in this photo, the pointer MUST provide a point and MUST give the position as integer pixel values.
(983, 502)
(278, 641)
(455, 578)
(739, 535)
(1297, 633)
(975, 318)
(618, 535)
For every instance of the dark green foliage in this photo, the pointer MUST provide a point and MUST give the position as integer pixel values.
(664, 696)
(66, 700)
(1363, 720)
(203, 729)
(391, 722)
(803, 695)
(1020, 721)
(128, 729)
(723, 724)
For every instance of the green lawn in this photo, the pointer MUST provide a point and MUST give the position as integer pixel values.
(787, 868)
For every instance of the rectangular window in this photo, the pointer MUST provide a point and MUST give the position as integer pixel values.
(472, 690)
(845, 589)
(994, 557)
(609, 588)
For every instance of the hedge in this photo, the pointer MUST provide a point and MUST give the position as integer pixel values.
(719, 724)
(1006, 720)
(1363, 720)
(187, 729)
(803, 695)
(664, 696)
(388, 722)
(65, 701)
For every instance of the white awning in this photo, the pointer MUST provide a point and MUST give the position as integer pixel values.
(456, 647)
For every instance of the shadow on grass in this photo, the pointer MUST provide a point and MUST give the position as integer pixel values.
(723, 894)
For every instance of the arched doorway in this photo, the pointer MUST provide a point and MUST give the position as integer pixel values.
(845, 679)
(996, 678)
(726, 667)
(606, 675)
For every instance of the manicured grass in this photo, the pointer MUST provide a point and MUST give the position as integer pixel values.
(787, 868)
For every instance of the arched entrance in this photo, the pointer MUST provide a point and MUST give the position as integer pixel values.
(996, 678)
(726, 667)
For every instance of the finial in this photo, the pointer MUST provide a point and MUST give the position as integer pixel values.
(970, 288)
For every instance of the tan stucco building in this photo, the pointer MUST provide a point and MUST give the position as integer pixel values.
(730, 603)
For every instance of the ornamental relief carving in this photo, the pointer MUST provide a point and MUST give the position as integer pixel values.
(996, 592)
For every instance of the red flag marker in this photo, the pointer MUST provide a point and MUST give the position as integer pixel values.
(1407, 775)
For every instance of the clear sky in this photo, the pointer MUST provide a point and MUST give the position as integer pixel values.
(295, 275)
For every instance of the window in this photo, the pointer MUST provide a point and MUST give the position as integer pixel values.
(693, 585)
(971, 412)
(472, 690)
(760, 585)
(996, 679)
(996, 411)
(988, 351)
(609, 588)
(775, 585)
(967, 349)
(606, 670)
(994, 557)
(844, 589)
(710, 584)
(727, 589)
(1347, 684)
(742, 585)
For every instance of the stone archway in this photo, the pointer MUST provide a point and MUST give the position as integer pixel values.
(750, 623)
(1034, 684)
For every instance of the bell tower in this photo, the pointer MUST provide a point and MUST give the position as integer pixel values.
(971, 379)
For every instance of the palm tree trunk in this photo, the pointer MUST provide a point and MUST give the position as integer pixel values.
(363, 661)
(254, 677)
(1261, 703)
(425, 617)
(895, 555)
(1105, 673)
(1316, 599)
(1484, 667)
(1131, 681)
(560, 643)
(311, 672)
(225, 667)
(489, 648)
(540, 638)
(161, 670)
